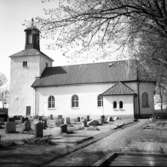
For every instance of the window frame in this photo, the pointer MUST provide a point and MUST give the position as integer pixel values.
(114, 104)
(99, 101)
(121, 104)
(28, 110)
(51, 102)
(24, 64)
(75, 101)
(145, 100)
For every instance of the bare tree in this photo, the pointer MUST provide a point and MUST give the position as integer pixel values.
(3, 79)
(140, 25)
(4, 97)
(3, 93)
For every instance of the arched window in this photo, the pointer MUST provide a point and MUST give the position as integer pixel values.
(145, 100)
(51, 102)
(100, 101)
(75, 101)
(121, 104)
(114, 104)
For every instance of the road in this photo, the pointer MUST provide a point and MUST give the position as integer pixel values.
(92, 153)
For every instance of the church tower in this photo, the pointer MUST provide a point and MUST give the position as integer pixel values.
(26, 65)
(32, 37)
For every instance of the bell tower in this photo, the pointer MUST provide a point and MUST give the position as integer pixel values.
(26, 65)
(32, 37)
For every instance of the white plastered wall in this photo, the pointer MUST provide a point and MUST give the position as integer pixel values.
(21, 92)
(87, 100)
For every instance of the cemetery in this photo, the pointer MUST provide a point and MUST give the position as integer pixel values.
(55, 130)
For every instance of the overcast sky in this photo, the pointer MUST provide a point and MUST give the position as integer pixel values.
(13, 13)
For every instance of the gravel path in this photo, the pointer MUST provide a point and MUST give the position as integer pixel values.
(92, 153)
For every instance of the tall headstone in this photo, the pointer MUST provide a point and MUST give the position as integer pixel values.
(102, 119)
(85, 122)
(27, 125)
(45, 124)
(88, 118)
(39, 129)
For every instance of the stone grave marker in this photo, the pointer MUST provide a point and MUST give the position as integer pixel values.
(10, 127)
(93, 123)
(39, 129)
(45, 124)
(85, 122)
(51, 123)
(78, 119)
(60, 120)
(51, 116)
(102, 119)
(88, 118)
(64, 128)
(68, 121)
(27, 125)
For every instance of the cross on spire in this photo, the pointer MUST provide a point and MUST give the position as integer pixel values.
(32, 22)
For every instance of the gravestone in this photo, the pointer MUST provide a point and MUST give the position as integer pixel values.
(39, 129)
(64, 128)
(51, 123)
(27, 125)
(85, 122)
(78, 119)
(68, 121)
(45, 124)
(102, 119)
(60, 120)
(110, 119)
(51, 116)
(88, 118)
(93, 123)
(10, 127)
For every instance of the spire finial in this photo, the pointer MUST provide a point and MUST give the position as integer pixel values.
(32, 22)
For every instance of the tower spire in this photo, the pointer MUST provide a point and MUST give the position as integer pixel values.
(32, 37)
(32, 22)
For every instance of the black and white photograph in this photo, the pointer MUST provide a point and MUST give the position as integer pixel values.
(83, 83)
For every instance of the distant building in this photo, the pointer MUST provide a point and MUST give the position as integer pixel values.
(118, 88)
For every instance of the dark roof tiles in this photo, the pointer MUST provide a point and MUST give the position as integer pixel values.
(30, 52)
(119, 89)
(105, 72)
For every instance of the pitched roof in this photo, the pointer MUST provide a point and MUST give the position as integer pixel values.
(119, 89)
(30, 52)
(105, 72)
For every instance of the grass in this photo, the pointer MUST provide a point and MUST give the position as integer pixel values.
(152, 139)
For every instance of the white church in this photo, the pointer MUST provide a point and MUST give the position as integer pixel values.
(118, 88)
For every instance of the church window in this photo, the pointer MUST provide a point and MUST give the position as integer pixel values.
(51, 102)
(100, 101)
(75, 101)
(121, 104)
(25, 64)
(46, 64)
(28, 110)
(145, 100)
(114, 104)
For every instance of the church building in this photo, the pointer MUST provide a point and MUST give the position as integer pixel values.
(117, 88)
